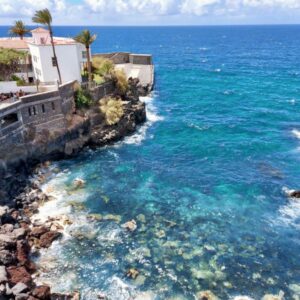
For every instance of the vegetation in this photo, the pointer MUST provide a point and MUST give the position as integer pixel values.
(9, 62)
(113, 110)
(44, 17)
(103, 67)
(86, 38)
(82, 98)
(121, 82)
(19, 29)
(20, 81)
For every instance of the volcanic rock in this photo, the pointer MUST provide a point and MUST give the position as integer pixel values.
(18, 274)
(48, 237)
(42, 292)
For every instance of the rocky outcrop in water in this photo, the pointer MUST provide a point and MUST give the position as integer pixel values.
(20, 238)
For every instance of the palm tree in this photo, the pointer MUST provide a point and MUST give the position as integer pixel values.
(85, 38)
(19, 29)
(44, 17)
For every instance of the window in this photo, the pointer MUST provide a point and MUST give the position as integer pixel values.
(9, 119)
(34, 110)
(54, 62)
(29, 111)
(84, 54)
(43, 108)
(53, 105)
(35, 59)
(42, 40)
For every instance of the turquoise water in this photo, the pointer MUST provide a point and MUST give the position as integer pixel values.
(203, 178)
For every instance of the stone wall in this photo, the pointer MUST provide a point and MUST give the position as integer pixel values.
(102, 90)
(43, 110)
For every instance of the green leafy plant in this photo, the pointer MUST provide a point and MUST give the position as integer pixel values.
(82, 98)
(9, 62)
(113, 110)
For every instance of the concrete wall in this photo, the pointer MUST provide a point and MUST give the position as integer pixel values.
(11, 86)
(125, 58)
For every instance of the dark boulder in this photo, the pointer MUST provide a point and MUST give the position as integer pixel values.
(48, 237)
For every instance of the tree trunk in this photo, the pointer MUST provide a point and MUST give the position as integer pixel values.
(89, 65)
(54, 54)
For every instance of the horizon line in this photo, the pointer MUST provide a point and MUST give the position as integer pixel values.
(168, 25)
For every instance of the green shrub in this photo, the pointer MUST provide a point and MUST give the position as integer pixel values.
(113, 110)
(82, 98)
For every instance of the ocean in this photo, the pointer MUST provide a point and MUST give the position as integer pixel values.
(204, 178)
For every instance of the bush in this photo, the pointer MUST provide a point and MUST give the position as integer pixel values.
(20, 81)
(113, 110)
(120, 78)
(82, 98)
(103, 67)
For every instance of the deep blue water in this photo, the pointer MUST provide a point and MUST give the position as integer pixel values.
(220, 146)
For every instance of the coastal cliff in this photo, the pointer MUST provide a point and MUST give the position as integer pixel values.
(81, 128)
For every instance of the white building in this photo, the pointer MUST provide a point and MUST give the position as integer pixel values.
(71, 57)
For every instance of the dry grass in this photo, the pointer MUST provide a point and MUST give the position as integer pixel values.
(113, 110)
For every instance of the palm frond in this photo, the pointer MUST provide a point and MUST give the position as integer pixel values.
(42, 16)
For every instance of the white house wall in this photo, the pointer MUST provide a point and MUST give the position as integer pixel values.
(69, 59)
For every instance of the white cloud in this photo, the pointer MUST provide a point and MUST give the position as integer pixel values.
(196, 7)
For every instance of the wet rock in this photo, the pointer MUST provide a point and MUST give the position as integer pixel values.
(130, 225)
(294, 194)
(140, 280)
(38, 231)
(280, 296)
(115, 218)
(42, 292)
(202, 274)
(3, 274)
(22, 296)
(18, 274)
(19, 233)
(22, 252)
(141, 218)
(132, 273)
(58, 296)
(7, 228)
(48, 237)
(160, 234)
(101, 296)
(7, 257)
(206, 295)
(2, 289)
(19, 288)
(78, 183)
(7, 241)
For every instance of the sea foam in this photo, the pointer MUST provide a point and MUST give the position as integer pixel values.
(296, 133)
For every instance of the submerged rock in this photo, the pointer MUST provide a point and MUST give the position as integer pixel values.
(280, 296)
(130, 225)
(132, 273)
(78, 183)
(206, 295)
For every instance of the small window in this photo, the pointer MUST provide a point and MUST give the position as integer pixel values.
(42, 40)
(54, 62)
(53, 105)
(34, 110)
(43, 108)
(29, 111)
(84, 54)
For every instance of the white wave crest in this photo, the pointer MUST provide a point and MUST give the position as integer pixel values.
(152, 117)
(296, 133)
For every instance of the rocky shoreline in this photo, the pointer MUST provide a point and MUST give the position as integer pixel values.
(20, 237)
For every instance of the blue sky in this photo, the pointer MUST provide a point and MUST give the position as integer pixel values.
(155, 12)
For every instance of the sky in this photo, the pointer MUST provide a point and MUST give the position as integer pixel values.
(155, 12)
